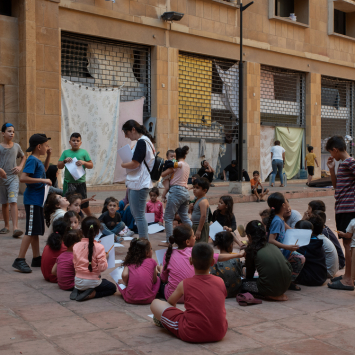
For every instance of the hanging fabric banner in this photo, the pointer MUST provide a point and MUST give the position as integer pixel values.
(291, 141)
(267, 139)
(94, 113)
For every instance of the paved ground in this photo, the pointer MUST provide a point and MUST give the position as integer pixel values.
(36, 317)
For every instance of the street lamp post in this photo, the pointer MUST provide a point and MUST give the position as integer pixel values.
(240, 127)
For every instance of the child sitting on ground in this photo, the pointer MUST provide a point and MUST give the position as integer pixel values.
(273, 269)
(139, 274)
(64, 267)
(205, 317)
(75, 202)
(231, 270)
(193, 178)
(314, 271)
(53, 249)
(169, 163)
(72, 219)
(199, 216)
(257, 188)
(55, 207)
(89, 259)
(155, 206)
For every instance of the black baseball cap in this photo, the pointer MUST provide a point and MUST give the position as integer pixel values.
(36, 139)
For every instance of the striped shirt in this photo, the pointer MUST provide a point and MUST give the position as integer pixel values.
(345, 187)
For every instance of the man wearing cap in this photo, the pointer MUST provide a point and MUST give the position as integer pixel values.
(9, 181)
(34, 175)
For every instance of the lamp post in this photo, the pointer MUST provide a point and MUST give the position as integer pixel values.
(240, 128)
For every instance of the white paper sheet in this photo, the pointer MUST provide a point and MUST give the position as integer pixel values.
(125, 154)
(46, 190)
(97, 238)
(150, 217)
(127, 238)
(117, 275)
(160, 255)
(75, 171)
(214, 229)
(118, 245)
(118, 261)
(301, 236)
(151, 315)
(155, 228)
(108, 243)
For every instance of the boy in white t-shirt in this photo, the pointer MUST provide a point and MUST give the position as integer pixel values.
(277, 162)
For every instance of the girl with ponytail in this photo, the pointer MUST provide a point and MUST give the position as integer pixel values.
(138, 180)
(276, 229)
(90, 260)
(140, 274)
(273, 269)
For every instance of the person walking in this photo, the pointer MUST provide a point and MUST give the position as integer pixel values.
(278, 162)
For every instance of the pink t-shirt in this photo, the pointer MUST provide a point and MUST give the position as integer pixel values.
(140, 288)
(157, 209)
(181, 175)
(65, 270)
(179, 268)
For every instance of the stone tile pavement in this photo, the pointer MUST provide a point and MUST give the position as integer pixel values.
(36, 317)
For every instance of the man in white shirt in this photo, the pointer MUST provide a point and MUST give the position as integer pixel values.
(277, 162)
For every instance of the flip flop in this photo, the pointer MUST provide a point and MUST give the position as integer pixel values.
(4, 231)
(247, 298)
(337, 285)
(17, 233)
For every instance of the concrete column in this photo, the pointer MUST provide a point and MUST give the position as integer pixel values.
(251, 119)
(313, 116)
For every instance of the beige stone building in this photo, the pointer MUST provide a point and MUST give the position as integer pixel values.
(299, 70)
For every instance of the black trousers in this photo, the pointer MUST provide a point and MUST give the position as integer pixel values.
(106, 288)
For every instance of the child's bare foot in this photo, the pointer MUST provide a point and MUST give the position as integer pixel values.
(279, 298)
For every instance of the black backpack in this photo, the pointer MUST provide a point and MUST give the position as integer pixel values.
(155, 173)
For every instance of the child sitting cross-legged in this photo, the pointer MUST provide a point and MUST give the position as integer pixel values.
(53, 249)
(205, 317)
(231, 270)
(64, 267)
(72, 219)
(89, 261)
(139, 274)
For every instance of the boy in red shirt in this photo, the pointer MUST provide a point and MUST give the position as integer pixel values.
(205, 317)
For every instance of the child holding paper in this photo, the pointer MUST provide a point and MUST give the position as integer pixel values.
(89, 261)
(84, 160)
(205, 317)
(155, 206)
(224, 214)
(276, 234)
(140, 274)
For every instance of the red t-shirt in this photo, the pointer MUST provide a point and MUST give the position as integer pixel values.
(205, 317)
(66, 271)
(49, 258)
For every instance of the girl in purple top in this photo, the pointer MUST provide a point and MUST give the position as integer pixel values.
(140, 274)
(64, 267)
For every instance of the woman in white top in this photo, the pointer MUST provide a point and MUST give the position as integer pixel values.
(277, 162)
(138, 181)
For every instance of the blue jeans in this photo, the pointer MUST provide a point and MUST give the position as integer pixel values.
(105, 231)
(137, 201)
(178, 202)
(277, 165)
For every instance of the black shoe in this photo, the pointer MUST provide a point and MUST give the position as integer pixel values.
(36, 262)
(74, 294)
(20, 264)
(85, 294)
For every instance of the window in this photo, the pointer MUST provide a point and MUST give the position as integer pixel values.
(341, 17)
(339, 22)
(5, 7)
(282, 10)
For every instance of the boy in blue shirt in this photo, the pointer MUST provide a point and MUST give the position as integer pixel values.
(70, 184)
(34, 175)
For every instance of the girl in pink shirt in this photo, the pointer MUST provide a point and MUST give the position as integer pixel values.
(139, 274)
(155, 206)
(90, 260)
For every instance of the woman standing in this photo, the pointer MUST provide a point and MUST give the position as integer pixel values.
(178, 200)
(278, 162)
(206, 171)
(138, 181)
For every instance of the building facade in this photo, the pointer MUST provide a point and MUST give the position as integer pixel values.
(299, 70)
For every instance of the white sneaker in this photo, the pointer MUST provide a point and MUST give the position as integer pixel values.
(129, 233)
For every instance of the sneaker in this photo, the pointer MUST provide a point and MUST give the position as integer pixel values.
(36, 262)
(21, 265)
(74, 294)
(129, 233)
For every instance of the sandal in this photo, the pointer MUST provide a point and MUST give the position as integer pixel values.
(247, 298)
(4, 231)
(17, 233)
(337, 285)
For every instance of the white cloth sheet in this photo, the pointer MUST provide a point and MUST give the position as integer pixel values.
(267, 137)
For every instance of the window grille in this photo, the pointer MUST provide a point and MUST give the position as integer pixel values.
(106, 63)
(282, 97)
(208, 98)
(337, 110)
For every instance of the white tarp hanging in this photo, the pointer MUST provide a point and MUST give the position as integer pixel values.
(267, 137)
(94, 113)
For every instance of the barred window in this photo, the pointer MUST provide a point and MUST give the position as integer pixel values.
(282, 97)
(208, 98)
(105, 63)
(337, 109)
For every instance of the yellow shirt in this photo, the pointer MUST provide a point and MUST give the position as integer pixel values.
(310, 159)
